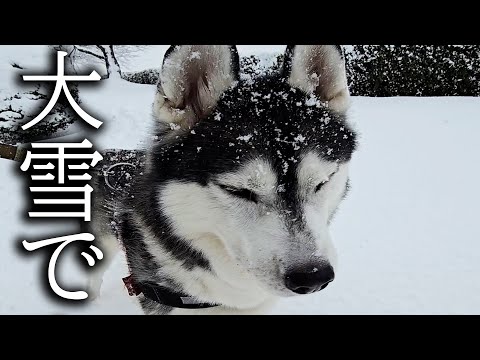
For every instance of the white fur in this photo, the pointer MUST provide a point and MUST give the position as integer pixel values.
(195, 216)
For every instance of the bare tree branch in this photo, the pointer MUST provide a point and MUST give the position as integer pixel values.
(104, 52)
(88, 52)
(108, 56)
(111, 63)
(115, 66)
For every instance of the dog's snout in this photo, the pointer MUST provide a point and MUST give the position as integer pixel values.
(309, 279)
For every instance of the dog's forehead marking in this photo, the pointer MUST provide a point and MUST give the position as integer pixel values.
(256, 174)
(314, 169)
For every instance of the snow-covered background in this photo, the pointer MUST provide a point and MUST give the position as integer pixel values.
(407, 235)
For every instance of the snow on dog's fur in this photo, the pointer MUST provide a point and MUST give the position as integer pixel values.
(234, 204)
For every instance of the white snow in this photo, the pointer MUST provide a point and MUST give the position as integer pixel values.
(245, 138)
(407, 235)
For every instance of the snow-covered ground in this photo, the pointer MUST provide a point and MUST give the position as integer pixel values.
(407, 235)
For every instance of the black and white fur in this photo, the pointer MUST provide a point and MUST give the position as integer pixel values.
(243, 180)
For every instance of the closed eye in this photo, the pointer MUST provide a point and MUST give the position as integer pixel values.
(320, 186)
(241, 193)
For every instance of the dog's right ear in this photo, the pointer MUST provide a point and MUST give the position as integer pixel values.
(192, 79)
(319, 70)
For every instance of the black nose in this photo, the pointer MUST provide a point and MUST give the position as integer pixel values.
(309, 279)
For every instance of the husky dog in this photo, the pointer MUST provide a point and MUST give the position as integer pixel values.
(232, 208)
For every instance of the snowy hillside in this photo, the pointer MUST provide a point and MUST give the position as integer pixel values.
(407, 235)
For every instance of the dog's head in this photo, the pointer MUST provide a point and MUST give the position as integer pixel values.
(259, 165)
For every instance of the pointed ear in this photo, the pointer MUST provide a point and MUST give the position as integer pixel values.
(319, 70)
(192, 79)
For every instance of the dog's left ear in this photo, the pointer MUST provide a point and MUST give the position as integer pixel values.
(319, 70)
(192, 79)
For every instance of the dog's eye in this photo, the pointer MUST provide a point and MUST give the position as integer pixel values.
(241, 193)
(319, 186)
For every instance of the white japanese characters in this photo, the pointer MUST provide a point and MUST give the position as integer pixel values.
(61, 83)
(61, 156)
(64, 241)
(63, 177)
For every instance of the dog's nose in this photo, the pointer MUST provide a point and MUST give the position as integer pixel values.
(309, 279)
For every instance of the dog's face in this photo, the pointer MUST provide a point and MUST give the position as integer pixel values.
(258, 166)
